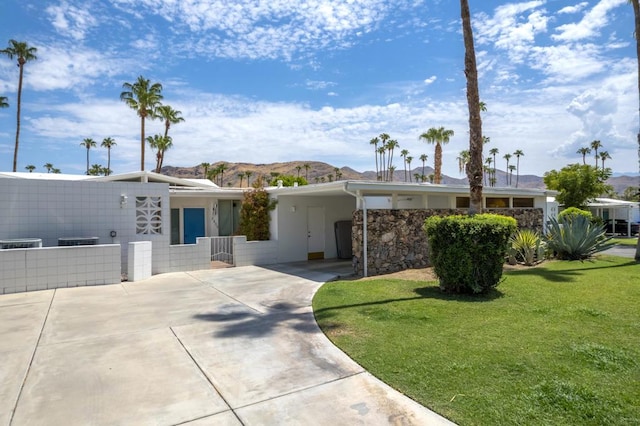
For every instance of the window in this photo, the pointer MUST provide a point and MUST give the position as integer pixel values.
(523, 202)
(462, 202)
(497, 202)
(149, 215)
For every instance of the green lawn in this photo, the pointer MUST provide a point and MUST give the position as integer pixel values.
(557, 344)
(625, 241)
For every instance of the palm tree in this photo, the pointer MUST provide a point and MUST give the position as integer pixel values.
(636, 14)
(507, 157)
(222, 167)
(384, 138)
(108, 143)
(494, 152)
(487, 168)
(511, 168)
(88, 143)
(4, 102)
(408, 160)
(248, 174)
(604, 155)
(144, 98)
(474, 169)
(336, 171)
(24, 53)
(241, 176)
(423, 158)
(161, 144)
(391, 145)
(31, 168)
(205, 166)
(48, 166)
(169, 115)
(298, 169)
(95, 170)
(381, 152)
(518, 153)
(392, 169)
(463, 159)
(55, 171)
(404, 154)
(417, 177)
(375, 142)
(595, 145)
(584, 152)
(306, 171)
(439, 136)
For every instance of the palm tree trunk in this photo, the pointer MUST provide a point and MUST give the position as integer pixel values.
(437, 163)
(474, 171)
(108, 161)
(517, 171)
(87, 159)
(15, 150)
(142, 144)
(636, 13)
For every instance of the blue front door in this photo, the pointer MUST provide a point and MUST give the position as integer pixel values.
(193, 225)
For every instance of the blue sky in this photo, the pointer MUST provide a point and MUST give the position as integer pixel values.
(280, 80)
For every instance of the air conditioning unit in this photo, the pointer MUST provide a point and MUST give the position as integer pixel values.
(21, 243)
(77, 241)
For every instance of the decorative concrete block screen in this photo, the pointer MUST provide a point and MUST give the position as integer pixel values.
(397, 242)
(58, 267)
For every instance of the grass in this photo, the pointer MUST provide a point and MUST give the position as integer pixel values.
(557, 344)
(633, 241)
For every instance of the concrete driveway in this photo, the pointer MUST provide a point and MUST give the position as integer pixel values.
(217, 347)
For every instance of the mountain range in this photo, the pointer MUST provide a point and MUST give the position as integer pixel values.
(316, 172)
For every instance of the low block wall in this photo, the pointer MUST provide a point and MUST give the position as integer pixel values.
(247, 253)
(187, 257)
(59, 267)
(397, 242)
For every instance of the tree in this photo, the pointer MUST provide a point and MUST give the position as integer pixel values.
(108, 143)
(298, 169)
(222, 167)
(48, 166)
(404, 154)
(494, 152)
(96, 170)
(160, 143)
(409, 159)
(577, 184)
(24, 54)
(306, 171)
(88, 143)
(391, 145)
(604, 155)
(636, 14)
(144, 98)
(375, 142)
(248, 174)
(423, 158)
(55, 171)
(474, 169)
(384, 138)
(255, 213)
(507, 157)
(337, 173)
(4, 102)
(631, 193)
(241, 176)
(169, 116)
(595, 145)
(518, 153)
(584, 151)
(205, 167)
(463, 159)
(288, 180)
(438, 136)
(511, 168)
(30, 168)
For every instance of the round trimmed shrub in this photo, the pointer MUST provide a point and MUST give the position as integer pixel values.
(467, 252)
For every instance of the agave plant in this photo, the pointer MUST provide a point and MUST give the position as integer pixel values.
(577, 238)
(527, 246)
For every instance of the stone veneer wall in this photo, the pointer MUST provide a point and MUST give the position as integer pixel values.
(397, 242)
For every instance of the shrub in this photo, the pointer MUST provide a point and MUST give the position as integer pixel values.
(254, 214)
(288, 180)
(527, 247)
(576, 238)
(467, 252)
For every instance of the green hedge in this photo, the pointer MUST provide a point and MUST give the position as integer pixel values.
(467, 252)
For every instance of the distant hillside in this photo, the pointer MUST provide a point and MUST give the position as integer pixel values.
(319, 170)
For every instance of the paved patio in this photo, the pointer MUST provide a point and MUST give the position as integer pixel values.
(216, 347)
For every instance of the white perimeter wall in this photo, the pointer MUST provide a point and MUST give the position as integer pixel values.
(53, 209)
(289, 227)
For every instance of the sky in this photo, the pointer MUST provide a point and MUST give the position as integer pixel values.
(264, 81)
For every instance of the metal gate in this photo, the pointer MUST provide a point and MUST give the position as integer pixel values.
(222, 249)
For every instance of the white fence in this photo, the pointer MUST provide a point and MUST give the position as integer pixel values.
(222, 249)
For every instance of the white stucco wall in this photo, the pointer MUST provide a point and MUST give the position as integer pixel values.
(289, 227)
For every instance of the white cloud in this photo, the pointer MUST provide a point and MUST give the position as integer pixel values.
(430, 80)
(591, 23)
(71, 21)
(573, 9)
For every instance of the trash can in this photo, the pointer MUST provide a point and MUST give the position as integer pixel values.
(343, 239)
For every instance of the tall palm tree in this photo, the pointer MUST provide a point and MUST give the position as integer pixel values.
(511, 168)
(404, 154)
(463, 159)
(95, 170)
(381, 152)
(584, 151)
(88, 143)
(423, 158)
(298, 169)
(595, 145)
(248, 174)
(392, 144)
(144, 98)
(161, 144)
(487, 168)
(337, 173)
(24, 54)
(108, 143)
(375, 142)
(518, 153)
(55, 170)
(604, 155)
(31, 168)
(474, 170)
(507, 157)
(4, 102)
(440, 136)
(636, 14)
(205, 166)
(494, 152)
(169, 116)
(241, 176)
(384, 138)
(222, 167)
(48, 166)
(306, 171)
(408, 160)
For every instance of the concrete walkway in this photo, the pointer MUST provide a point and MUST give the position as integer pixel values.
(217, 347)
